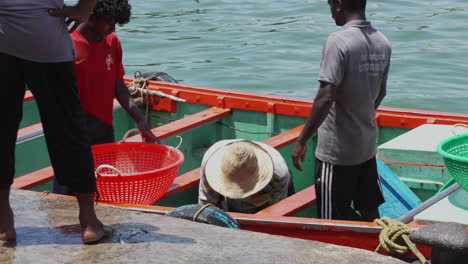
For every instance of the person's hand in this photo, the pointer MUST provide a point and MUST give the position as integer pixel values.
(146, 134)
(298, 155)
(76, 14)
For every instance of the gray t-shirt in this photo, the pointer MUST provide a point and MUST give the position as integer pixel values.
(356, 59)
(27, 31)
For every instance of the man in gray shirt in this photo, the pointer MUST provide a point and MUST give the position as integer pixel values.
(36, 50)
(353, 76)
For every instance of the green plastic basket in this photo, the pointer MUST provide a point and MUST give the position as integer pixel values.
(454, 150)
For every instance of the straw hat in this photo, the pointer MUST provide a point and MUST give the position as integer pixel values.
(239, 169)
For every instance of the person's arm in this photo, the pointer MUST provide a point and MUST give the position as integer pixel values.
(322, 104)
(78, 13)
(206, 195)
(126, 101)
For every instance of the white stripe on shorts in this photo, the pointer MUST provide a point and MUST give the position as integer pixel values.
(326, 179)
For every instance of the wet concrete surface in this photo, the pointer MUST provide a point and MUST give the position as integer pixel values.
(47, 232)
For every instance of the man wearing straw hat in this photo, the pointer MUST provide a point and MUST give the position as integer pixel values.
(243, 176)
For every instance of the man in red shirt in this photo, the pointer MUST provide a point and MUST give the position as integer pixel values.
(99, 71)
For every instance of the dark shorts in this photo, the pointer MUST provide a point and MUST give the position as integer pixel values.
(56, 94)
(337, 186)
(98, 132)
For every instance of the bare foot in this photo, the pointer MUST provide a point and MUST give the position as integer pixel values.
(92, 235)
(92, 230)
(7, 225)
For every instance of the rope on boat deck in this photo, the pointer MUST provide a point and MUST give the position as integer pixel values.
(454, 131)
(139, 85)
(394, 238)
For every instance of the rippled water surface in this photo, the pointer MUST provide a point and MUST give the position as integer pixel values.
(274, 47)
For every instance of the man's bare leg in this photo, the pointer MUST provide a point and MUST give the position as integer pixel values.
(92, 230)
(7, 223)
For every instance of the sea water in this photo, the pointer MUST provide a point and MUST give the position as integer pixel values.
(274, 47)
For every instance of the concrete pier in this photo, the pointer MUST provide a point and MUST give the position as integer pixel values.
(47, 232)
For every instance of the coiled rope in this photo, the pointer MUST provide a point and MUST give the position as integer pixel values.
(394, 238)
(140, 85)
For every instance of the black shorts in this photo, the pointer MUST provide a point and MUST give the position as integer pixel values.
(98, 133)
(56, 94)
(337, 186)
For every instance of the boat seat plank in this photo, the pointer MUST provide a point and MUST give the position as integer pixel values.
(28, 96)
(184, 182)
(418, 146)
(293, 204)
(34, 179)
(186, 123)
(285, 138)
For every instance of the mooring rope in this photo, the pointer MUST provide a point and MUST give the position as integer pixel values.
(394, 238)
(140, 85)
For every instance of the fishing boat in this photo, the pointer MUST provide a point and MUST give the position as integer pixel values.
(209, 115)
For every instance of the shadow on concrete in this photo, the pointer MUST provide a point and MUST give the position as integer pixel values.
(71, 235)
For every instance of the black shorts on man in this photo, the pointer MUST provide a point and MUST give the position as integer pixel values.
(337, 186)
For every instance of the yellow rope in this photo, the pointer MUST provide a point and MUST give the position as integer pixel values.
(140, 81)
(394, 238)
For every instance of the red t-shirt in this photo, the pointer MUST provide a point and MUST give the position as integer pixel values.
(97, 67)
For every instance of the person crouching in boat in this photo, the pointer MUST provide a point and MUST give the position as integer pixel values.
(243, 176)
(99, 71)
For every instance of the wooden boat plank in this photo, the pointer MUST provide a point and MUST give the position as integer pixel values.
(293, 204)
(285, 138)
(413, 120)
(27, 130)
(396, 117)
(184, 182)
(34, 179)
(28, 96)
(186, 123)
(233, 99)
(32, 131)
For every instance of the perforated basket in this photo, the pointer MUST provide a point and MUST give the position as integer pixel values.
(454, 150)
(138, 173)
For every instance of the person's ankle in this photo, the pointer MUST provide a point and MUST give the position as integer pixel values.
(7, 225)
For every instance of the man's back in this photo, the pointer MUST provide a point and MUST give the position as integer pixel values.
(28, 31)
(356, 59)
